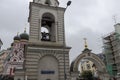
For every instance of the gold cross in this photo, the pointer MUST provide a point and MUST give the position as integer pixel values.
(85, 39)
(17, 33)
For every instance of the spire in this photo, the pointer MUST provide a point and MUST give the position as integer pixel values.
(86, 50)
(24, 36)
(86, 46)
(17, 33)
(17, 37)
(25, 30)
(115, 19)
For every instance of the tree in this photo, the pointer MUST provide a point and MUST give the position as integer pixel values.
(87, 75)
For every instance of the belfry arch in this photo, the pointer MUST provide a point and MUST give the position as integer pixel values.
(87, 54)
(48, 23)
(91, 56)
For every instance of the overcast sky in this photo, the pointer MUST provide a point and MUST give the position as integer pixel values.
(89, 19)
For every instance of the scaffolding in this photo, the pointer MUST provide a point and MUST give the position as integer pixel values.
(109, 53)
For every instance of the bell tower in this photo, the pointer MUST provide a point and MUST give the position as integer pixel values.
(46, 54)
(46, 20)
(47, 2)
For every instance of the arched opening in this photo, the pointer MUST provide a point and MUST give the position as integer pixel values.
(45, 33)
(48, 68)
(87, 65)
(14, 60)
(90, 61)
(48, 2)
(48, 27)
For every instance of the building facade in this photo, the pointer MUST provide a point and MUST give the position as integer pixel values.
(112, 51)
(3, 55)
(15, 58)
(46, 54)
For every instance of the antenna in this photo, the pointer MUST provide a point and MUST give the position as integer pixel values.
(25, 28)
(17, 33)
(115, 19)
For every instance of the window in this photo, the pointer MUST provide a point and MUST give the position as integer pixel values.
(87, 61)
(14, 60)
(47, 72)
(47, 27)
(14, 70)
(88, 66)
(47, 2)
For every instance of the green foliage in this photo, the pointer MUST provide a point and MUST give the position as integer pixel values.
(87, 75)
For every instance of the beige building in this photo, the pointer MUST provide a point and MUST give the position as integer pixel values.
(3, 55)
(15, 59)
(46, 54)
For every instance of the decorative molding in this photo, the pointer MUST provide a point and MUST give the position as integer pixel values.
(85, 55)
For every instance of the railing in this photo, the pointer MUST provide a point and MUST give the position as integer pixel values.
(111, 62)
(110, 56)
(108, 51)
(107, 46)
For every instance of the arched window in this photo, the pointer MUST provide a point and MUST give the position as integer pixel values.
(48, 2)
(48, 69)
(47, 27)
(14, 70)
(14, 60)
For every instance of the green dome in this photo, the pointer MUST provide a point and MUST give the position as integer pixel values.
(24, 36)
(17, 37)
(12, 44)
